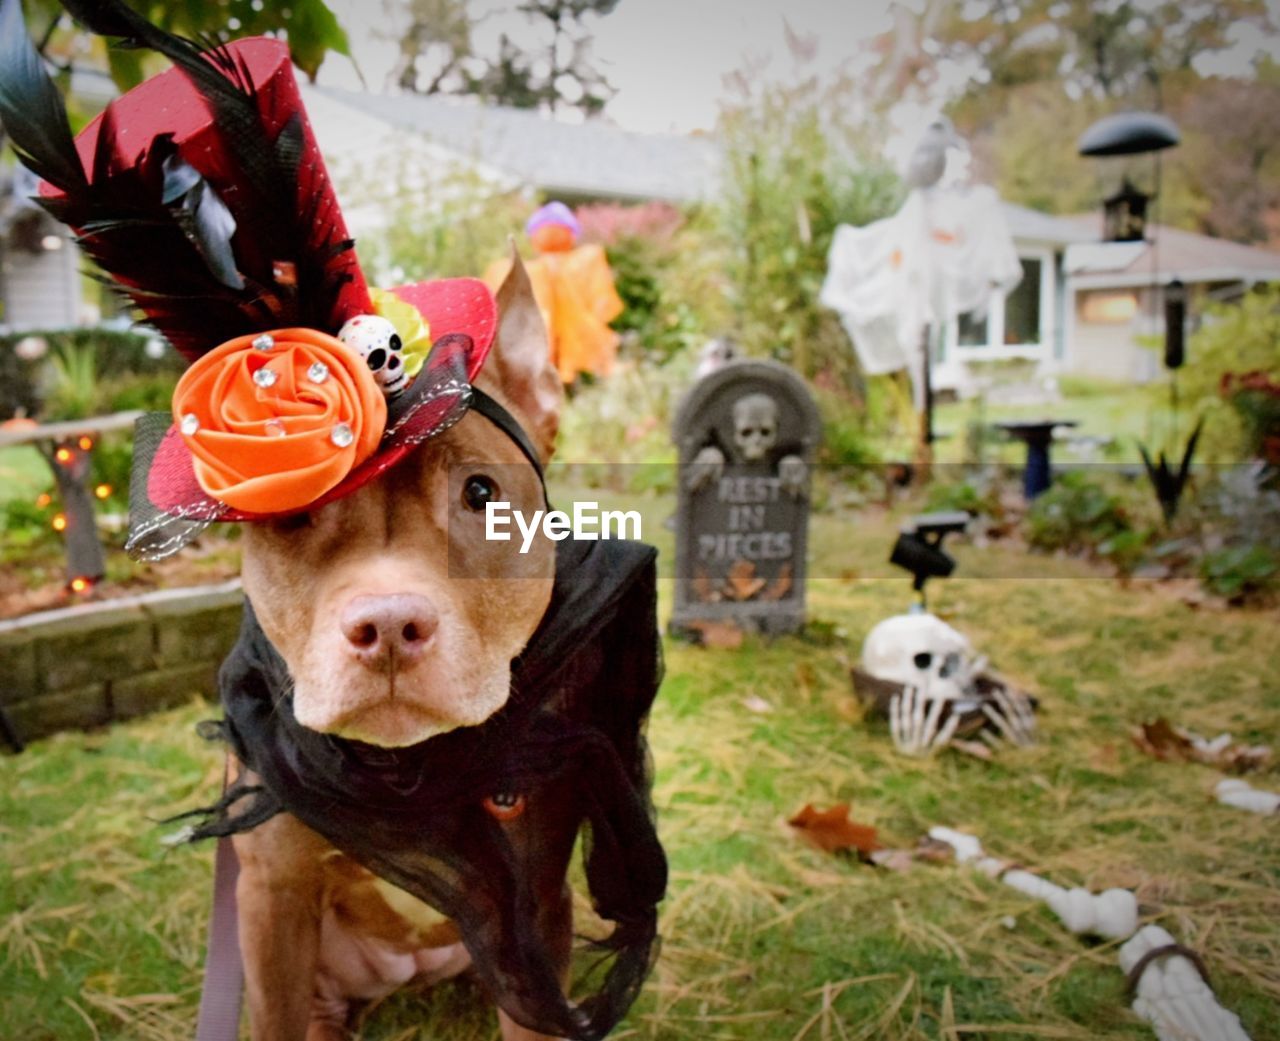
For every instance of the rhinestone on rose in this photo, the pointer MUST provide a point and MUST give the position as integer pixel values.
(266, 377)
(341, 435)
(275, 428)
(190, 424)
(264, 342)
(318, 373)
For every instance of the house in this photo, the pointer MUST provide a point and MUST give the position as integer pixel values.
(1025, 331)
(1082, 306)
(574, 162)
(40, 286)
(1114, 302)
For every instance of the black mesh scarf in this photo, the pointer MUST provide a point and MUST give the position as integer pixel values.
(570, 741)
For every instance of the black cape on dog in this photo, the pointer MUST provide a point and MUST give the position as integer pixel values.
(569, 741)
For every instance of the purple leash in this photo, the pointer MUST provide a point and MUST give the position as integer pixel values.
(223, 970)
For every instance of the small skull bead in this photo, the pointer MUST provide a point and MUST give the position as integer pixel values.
(378, 343)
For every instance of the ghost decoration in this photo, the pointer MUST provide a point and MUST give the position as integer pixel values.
(375, 339)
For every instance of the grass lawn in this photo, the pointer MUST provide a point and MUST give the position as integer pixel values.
(102, 927)
(1125, 413)
(23, 474)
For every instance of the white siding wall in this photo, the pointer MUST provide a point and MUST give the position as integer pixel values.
(42, 289)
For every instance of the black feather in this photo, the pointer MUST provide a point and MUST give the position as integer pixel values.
(233, 105)
(203, 217)
(31, 108)
(197, 256)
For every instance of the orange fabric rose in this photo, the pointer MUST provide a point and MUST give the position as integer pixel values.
(276, 442)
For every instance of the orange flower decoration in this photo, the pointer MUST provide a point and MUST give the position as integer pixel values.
(275, 420)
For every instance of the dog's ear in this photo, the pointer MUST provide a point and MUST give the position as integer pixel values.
(520, 362)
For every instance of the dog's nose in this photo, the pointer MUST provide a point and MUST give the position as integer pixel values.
(389, 630)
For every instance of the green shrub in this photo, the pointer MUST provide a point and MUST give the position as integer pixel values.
(149, 393)
(1241, 573)
(80, 372)
(794, 171)
(847, 437)
(26, 527)
(979, 496)
(1233, 339)
(1077, 514)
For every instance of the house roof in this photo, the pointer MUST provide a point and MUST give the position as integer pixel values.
(1030, 225)
(1186, 255)
(589, 158)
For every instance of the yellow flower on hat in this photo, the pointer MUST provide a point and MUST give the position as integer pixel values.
(415, 333)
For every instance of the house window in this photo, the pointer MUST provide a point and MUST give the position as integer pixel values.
(971, 331)
(1022, 308)
(1108, 307)
(1014, 322)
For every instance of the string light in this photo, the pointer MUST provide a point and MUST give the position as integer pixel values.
(59, 522)
(85, 442)
(102, 491)
(63, 455)
(43, 500)
(80, 584)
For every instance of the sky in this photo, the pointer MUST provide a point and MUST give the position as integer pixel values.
(666, 58)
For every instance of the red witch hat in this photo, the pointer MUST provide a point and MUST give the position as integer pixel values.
(203, 195)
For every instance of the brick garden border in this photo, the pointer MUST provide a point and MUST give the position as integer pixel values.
(96, 663)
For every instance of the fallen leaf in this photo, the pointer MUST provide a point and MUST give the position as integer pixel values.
(722, 635)
(743, 583)
(780, 586)
(1168, 742)
(1162, 740)
(703, 591)
(832, 830)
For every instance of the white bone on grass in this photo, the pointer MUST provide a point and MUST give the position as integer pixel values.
(1112, 914)
(1172, 996)
(915, 721)
(1012, 715)
(1243, 796)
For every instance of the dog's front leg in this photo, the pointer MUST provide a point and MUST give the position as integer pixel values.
(555, 922)
(279, 893)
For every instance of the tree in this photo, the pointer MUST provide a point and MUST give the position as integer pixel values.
(552, 72)
(1040, 71)
(309, 26)
(797, 164)
(433, 46)
(1230, 154)
(1110, 49)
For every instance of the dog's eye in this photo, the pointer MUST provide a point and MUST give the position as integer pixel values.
(478, 491)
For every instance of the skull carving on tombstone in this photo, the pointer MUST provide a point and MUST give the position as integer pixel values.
(378, 343)
(755, 426)
(923, 651)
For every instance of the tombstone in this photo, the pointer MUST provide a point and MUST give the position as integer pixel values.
(746, 436)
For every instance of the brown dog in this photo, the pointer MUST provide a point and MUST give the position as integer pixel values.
(384, 647)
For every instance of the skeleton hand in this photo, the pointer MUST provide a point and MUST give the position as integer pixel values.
(1012, 716)
(914, 721)
(706, 468)
(794, 475)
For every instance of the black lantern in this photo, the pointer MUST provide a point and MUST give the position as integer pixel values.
(1118, 138)
(1175, 324)
(1126, 214)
